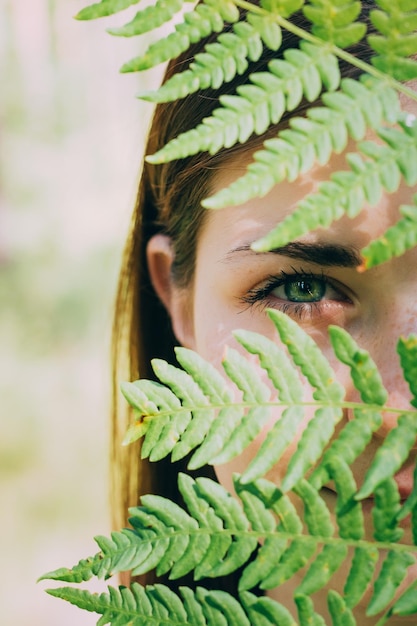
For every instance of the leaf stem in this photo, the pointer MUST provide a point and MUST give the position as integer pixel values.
(277, 404)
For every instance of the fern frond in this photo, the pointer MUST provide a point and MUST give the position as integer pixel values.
(206, 18)
(104, 8)
(393, 572)
(391, 455)
(396, 22)
(346, 192)
(407, 604)
(149, 18)
(407, 349)
(334, 22)
(359, 105)
(157, 605)
(221, 61)
(170, 539)
(396, 240)
(263, 102)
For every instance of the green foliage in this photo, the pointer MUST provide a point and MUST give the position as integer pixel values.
(216, 534)
(238, 31)
(296, 529)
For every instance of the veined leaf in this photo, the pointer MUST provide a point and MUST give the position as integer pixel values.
(393, 571)
(351, 442)
(103, 8)
(339, 611)
(385, 512)
(407, 349)
(254, 109)
(407, 603)
(306, 613)
(346, 192)
(360, 575)
(348, 514)
(206, 18)
(395, 241)
(397, 39)
(265, 612)
(222, 60)
(149, 18)
(392, 453)
(322, 569)
(325, 130)
(363, 370)
(334, 22)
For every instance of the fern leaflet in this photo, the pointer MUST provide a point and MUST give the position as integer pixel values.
(396, 22)
(258, 105)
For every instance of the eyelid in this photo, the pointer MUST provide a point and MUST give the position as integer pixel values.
(261, 292)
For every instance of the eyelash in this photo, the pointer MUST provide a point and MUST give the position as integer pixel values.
(261, 296)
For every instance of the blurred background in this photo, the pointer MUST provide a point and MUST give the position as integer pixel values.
(71, 142)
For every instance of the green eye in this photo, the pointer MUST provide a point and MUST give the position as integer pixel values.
(308, 289)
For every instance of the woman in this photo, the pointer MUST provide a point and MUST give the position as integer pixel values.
(190, 278)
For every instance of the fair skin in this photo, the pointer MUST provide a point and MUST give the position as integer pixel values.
(233, 285)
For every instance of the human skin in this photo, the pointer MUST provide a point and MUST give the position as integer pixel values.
(233, 286)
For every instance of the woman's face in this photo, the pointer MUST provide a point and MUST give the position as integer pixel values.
(316, 283)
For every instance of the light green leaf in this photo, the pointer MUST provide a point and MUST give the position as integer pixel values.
(103, 8)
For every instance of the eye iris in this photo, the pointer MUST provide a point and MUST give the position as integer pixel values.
(305, 290)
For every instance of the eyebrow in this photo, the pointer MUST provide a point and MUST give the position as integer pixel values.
(329, 255)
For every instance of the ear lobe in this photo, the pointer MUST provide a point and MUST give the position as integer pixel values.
(160, 257)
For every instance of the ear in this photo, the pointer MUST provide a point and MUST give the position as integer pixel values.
(176, 300)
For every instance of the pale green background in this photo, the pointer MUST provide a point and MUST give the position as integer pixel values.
(71, 137)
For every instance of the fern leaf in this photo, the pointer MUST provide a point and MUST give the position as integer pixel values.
(157, 605)
(396, 24)
(149, 18)
(407, 349)
(347, 191)
(348, 514)
(230, 512)
(324, 130)
(292, 560)
(208, 17)
(261, 520)
(222, 605)
(410, 505)
(360, 575)
(351, 442)
(285, 379)
(393, 571)
(322, 569)
(365, 375)
(385, 512)
(407, 603)
(306, 612)
(391, 455)
(265, 612)
(223, 60)
(319, 374)
(243, 374)
(308, 357)
(339, 612)
(396, 240)
(316, 513)
(256, 106)
(104, 8)
(191, 395)
(334, 22)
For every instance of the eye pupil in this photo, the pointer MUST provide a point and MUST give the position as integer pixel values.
(305, 290)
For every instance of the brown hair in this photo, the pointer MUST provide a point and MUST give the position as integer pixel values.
(169, 201)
